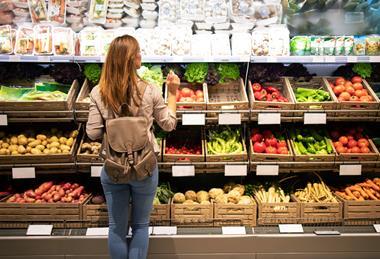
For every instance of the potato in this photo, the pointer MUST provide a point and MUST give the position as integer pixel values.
(40, 147)
(64, 147)
(21, 149)
(14, 153)
(13, 148)
(41, 137)
(70, 142)
(65, 151)
(233, 196)
(3, 151)
(46, 151)
(22, 140)
(34, 143)
(31, 140)
(28, 149)
(44, 142)
(5, 145)
(53, 139)
(62, 140)
(14, 141)
(53, 150)
(74, 134)
(221, 199)
(59, 151)
(35, 151)
(54, 144)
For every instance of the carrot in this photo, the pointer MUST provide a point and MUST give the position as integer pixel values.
(349, 193)
(373, 185)
(356, 194)
(370, 194)
(361, 198)
(360, 190)
(377, 195)
(364, 185)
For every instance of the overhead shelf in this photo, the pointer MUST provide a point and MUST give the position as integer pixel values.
(190, 59)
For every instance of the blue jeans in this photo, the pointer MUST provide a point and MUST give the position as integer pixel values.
(118, 196)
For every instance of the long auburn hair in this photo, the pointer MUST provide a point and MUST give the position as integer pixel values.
(118, 81)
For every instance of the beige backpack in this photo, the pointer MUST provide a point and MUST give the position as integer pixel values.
(126, 149)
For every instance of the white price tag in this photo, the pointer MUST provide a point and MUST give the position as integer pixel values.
(269, 118)
(43, 59)
(193, 119)
(39, 230)
(233, 231)
(96, 171)
(326, 232)
(350, 170)
(97, 232)
(318, 59)
(130, 231)
(374, 59)
(183, 170)
(23, 172)
(267, 170)
(229, 119)
(290, 228)
(377, 227)
(164, 230)
(235, 170)
(352, 59)
(314, 118)
(3, 120)
(330, 59)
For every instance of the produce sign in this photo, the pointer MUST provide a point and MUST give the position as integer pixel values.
(224, 140)
(51, 193)
(350, 90)
(268, 93)
(315, 192)
(308, 141)
(269, 143)
(367, 190)
(351, 141)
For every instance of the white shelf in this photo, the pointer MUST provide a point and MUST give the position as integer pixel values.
(315, 59)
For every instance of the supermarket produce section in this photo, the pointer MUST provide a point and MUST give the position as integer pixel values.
(277, 140)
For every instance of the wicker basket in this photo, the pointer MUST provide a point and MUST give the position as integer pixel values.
(354, 105)
(277, 213)
(314, 83)
(235, 214)
(190, 105)
(192, 215)
(264, 105)
(320, 212)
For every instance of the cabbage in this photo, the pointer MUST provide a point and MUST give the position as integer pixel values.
(153, 75)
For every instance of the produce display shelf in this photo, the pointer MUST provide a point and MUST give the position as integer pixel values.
(315, 59)
(42, 166)
(39, 116)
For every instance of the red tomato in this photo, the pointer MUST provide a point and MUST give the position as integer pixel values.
(359, 93)
(350, 90)
(338, 89)
(363, 142)
(356, 79)
(259, 147)
(199, 94)
(186, 92)
(271, 142)
(347, 84)
(283, 150)
(341, 150)
(357, 86)
(365, 98)
(365, 150)
(282, 143)
(355, 150)
(340, 81)
(257, 137)
(345, 96)
(271, 150)
(267, 134)
(256, 87)
(337, 144)
(343, 140)
(352, 143)
(354, 98)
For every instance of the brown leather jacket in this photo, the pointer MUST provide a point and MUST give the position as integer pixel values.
(152, 107)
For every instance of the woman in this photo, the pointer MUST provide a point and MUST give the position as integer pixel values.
(119, 83)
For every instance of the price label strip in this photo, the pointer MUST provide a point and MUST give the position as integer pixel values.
(193, 119)
(269, 118)
(235, 170)
(267, 170)
(96, 171)
(377, 227)
(315, 118)
(3, 120)
(97, 232)
(229, 119)
(233, 231)
(164, 230)
(350, 170)
(183, 170)
(23, 173)
(39, 230)
(290, 228)
(326, 232)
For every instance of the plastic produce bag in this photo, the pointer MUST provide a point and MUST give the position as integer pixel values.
(300, 46)
(24, 41)
(372, 45)
(63, 41)
(43, 40)
(220, 44)
(241, 44)
(6, 42)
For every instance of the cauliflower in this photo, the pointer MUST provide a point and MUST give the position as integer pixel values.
(221, 199)
(233, 196)
(214, 192)
(189, 202)
(191, 195)
(179, 198)
(245, 200)
(240, 188)
(202, 196)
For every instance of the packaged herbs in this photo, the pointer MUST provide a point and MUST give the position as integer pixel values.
(6, 46)
(57, 11)
(98, 11)
(37, 10)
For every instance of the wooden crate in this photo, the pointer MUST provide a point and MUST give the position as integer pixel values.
(264, 105)
(84, 92)
(227, 96)
(42, 158)
(59, 214)
(235, 214)
(361, 212)
(160, 215)
(313, 158)
(271, 157)
(320, 212)
(360, 156)
(190, 105)
(354, 105)
(192, 215)
(314, 83)
(277, 213)
(87, 158)
(65, 105)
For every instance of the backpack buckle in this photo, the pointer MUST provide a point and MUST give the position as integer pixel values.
(130, 158)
